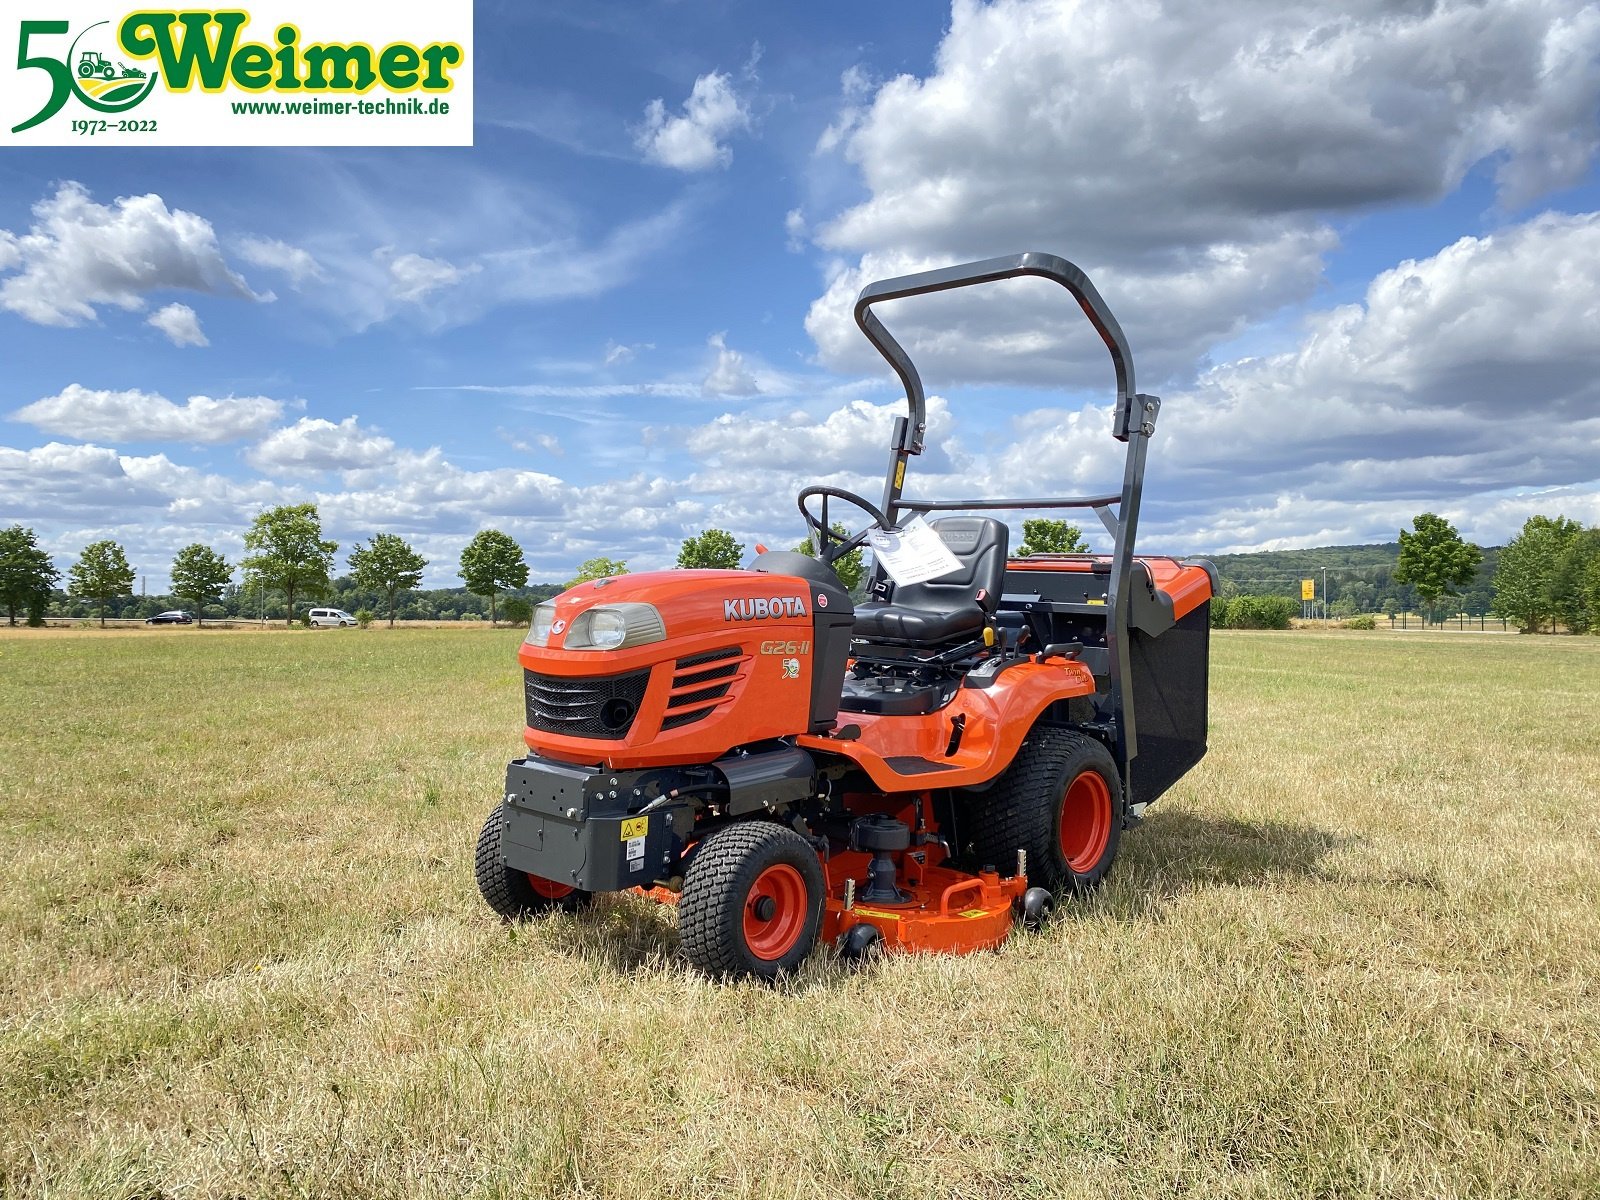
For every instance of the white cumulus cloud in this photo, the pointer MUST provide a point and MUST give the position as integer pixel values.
(729, 374)
(1466, 383)
(180, 323)
(695, 139)
(135, 416)
(1191, 158)
(312, 444)
(79, 254)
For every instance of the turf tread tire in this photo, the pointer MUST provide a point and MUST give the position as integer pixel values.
(1021, 810)
(711, 909)
(508, 891)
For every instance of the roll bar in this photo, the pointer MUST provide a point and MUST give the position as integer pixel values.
(1045, 266)
(1135, 422)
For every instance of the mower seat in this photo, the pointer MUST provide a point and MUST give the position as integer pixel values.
(953, 606)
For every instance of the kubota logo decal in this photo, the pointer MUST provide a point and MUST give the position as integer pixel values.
(760, 608)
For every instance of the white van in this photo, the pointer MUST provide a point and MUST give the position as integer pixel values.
(331, 617)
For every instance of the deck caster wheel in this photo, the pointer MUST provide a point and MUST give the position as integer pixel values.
(861, 942)
(517, 895)
(752, 902)
(1035, 907)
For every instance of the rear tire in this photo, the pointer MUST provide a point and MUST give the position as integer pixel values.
(517, 895)
(1061, 801)
(752, 902)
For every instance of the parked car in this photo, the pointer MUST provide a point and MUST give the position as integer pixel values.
(330, 617)
(173, 616)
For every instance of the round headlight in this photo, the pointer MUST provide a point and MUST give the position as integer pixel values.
(607, 628)
(539, 632)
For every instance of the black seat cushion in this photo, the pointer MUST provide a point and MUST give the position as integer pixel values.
(954, 605)
(902, 623)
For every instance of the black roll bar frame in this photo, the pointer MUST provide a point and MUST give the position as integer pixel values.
(1133, 423)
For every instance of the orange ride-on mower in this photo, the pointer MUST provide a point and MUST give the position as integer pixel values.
(918, 772)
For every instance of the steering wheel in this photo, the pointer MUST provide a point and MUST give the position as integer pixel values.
(831, 546)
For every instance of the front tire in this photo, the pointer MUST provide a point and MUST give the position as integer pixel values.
(752, 902)
(1061, 801)
(517, 895)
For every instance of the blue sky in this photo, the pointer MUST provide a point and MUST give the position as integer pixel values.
(1354, 253)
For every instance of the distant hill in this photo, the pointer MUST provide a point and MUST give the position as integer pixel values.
(1361, 574)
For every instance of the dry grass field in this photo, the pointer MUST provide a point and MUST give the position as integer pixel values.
(1356, 953)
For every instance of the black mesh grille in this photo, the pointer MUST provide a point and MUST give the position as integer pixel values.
(686, 718)
(708, 656)
(701, 695)
(681, 708)
(706, 676)
(602, 707)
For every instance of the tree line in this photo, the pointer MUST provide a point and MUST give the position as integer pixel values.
(1546, 577)
(285, 553)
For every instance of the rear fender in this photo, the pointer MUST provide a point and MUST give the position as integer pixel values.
(912, 753)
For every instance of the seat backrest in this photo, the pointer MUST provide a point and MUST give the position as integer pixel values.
(981, 543)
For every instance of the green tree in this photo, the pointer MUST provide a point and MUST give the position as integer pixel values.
(1524, 582)
(389, 566)
(1434, 559)
(518, 611)
(598, 568)
(101, 573)
(199, 575)
(493, 563)
(26, 573)
(1571, 586)
(289, 553)
(714, 548)
(1591, 592)
(850, 569)
(1043, 535)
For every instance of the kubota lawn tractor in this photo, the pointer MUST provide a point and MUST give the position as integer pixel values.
(920, 771)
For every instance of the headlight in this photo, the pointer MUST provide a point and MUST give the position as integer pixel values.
(539, 632)
(615, 626)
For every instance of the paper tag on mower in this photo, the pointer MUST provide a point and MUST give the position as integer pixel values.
(913, 553)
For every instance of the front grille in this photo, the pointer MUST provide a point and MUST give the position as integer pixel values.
(594, 707)
(687, 707)
(708, 656)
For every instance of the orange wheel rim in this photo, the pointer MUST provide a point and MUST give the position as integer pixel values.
(1085, 821)
(549, 888)
(775, 912)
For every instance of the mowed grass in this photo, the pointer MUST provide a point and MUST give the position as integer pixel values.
(1355, 953)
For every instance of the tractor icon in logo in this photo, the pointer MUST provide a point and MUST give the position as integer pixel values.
(102, 82)
(95, 63)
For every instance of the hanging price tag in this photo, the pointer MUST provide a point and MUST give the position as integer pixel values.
(913, 554)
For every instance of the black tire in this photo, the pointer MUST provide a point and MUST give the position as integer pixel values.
(514, 894)
(1026, 807)
(720, 936)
